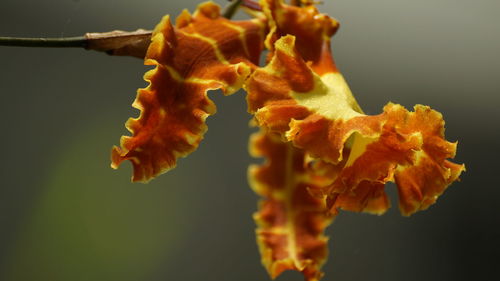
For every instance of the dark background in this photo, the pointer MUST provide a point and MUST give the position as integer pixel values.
(65, 215)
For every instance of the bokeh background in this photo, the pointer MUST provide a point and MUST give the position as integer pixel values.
(65, 215)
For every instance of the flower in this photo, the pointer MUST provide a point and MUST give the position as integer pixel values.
(322, 152)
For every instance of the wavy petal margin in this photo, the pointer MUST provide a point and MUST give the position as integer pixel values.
(311, 29)
(290, 220)
(202, 52)
(321, 116)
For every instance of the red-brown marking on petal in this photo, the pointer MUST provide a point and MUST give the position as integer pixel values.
(295, 71)
(324, 138)
(276, 116)
(266, 88)
(368, 197)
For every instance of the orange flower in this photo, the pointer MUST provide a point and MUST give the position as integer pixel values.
(310, 104)
(322, 152)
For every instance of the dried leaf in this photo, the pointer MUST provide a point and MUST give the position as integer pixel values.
(202, 52)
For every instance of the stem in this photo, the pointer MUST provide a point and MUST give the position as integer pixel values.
(120, 43)
(231, 9)
(68, 42)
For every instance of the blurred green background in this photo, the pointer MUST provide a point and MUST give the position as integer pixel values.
(65, 215)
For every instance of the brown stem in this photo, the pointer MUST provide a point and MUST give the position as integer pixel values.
(120, 43)
(231, 9)
(116, 43)
(67, 42)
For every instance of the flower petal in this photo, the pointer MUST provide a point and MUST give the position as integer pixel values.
(323, 118)
(290, 221)
(410, 150)
(203, 52)
(311, 28)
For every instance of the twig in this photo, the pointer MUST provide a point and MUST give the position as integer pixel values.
(120, 43)
(231, 9)
(68, 42)
(117, 43)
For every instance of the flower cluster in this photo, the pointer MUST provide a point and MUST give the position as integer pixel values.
(322, 152)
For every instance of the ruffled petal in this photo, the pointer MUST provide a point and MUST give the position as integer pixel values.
(202, 52)
(320, 116)
(311, 29)
(410, 150)
(290, 220)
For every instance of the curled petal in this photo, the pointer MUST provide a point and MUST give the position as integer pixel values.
(324, 119)
(311, 28)
(290, 220)
(410, 150)
(203, 52)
